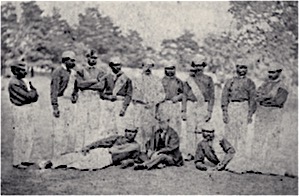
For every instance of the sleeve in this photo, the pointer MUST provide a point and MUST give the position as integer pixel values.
(225, 96)
(187, 95)
(23, 95)
(103, 93)
(199, 154)
(279, 99)
(211, 90)
(82, 83)
(129, 91)
(103, 143)
(174, 143)
(251, 98)
(55, 88)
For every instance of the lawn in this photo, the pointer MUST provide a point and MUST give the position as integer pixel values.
(173, 180)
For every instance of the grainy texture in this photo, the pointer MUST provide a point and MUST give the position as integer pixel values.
(172, 180)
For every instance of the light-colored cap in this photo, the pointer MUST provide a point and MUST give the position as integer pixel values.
(274, 66)
(17, 64)
(131, 127)
(115, 60)
(148, 61)
(198, 59)
(243, 61)
(209, 126)
(68, 54)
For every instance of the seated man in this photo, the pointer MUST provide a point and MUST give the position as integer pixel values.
(206, 150)
(162, 148)
(100, 154)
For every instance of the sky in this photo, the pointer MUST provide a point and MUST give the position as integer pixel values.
(154, 21)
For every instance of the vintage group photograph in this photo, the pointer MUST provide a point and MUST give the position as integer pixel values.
(149, 97)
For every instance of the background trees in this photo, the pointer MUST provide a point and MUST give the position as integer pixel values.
(262, 33)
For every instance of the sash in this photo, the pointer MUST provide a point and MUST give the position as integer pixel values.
(70, 86)
(120, 82)
(196, 90)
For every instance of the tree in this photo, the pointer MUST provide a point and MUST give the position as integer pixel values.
(269, 29)
(9, 29)
(180, 49)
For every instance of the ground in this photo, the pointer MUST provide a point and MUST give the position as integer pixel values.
(113, 180)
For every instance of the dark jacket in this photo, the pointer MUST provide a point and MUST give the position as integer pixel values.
(171, 145)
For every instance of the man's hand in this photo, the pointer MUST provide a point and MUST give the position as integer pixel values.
(56, 113)
(31, 86)
(219, 167)
(74, 98)
(225, 118)
(122, 112)
(184, 116)
(112, 98)
(249, 119)
(155, 154)
(85, 151)
(208, 116)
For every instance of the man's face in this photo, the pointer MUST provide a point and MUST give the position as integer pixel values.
(92, 61)
(163, 125)
(192, 72)
(116, 69)
(130, 135)
(21, 73)
(273, 75)
(241, 70)
(208, 136)
(147, 69)
(169, 73)
(200, 69)
(70, 63)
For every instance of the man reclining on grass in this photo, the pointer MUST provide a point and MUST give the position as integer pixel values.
(100, 154)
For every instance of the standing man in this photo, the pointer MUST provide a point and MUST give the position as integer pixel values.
(267, 155)
(238, 106)
(22, 96)
(198, 103)
(62, 85)
(147, 92)
(87, 92)
(171, 107)
(116, 95)
(163, 148)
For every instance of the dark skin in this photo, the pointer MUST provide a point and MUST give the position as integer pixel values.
(69, 64)
(241, 71)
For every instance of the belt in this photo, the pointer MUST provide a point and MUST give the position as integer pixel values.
(242, 100)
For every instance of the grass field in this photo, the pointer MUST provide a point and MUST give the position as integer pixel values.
(173, 180)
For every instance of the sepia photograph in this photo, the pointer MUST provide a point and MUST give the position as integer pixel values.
(149, 97)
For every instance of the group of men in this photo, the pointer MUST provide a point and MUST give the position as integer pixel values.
(91, 102)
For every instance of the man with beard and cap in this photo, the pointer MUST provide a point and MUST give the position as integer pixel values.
(147, 92)
(87, 95)
(62, 86)
(267, 147)
(163, 148)
(113, 150)
(171, 107)
(22, 96)
(238, 106)
(116, 97)
(205, 151)
(198, 103)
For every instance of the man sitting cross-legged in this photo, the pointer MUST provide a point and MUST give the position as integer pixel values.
(162, 148)
(205, 151)
(100, 154)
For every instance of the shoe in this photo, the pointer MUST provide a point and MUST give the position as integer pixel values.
(44, 165)
(126, 163)
(20, 166)
(140, 167)
(161, 166)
